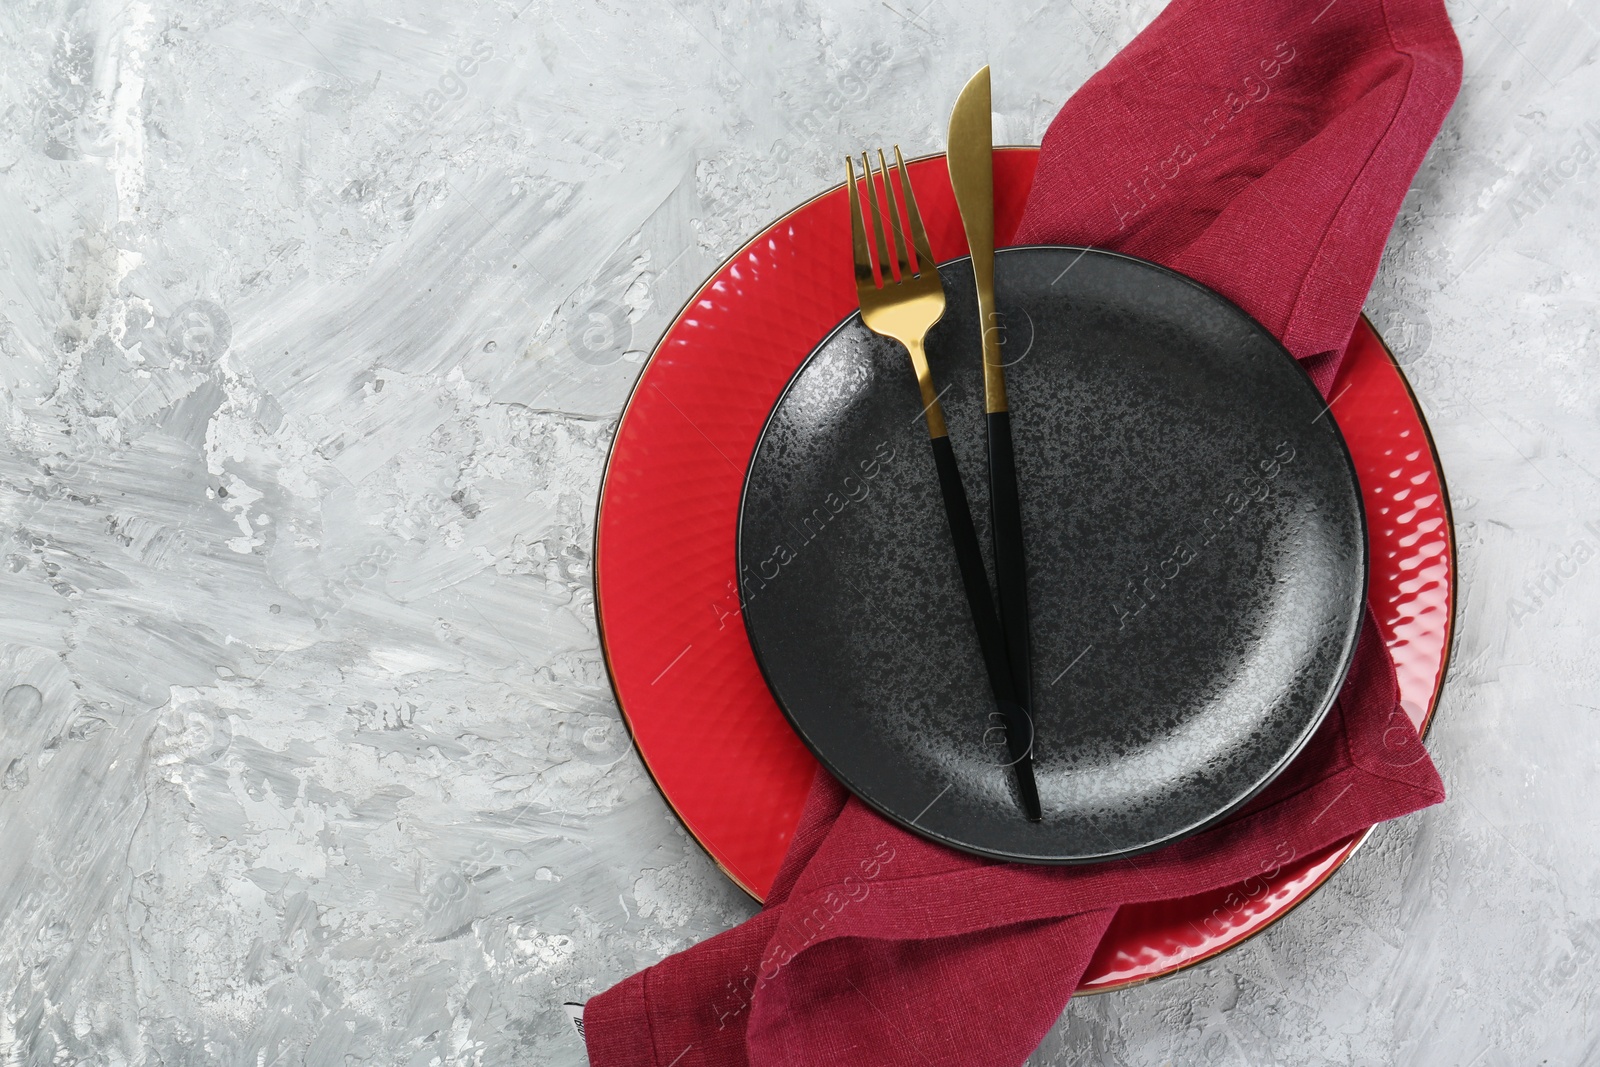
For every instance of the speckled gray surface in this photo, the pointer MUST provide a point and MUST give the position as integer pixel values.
(315, 320)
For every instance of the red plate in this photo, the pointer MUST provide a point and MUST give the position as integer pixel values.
(685, 678)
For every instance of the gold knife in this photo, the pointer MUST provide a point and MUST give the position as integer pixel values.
(971, 161)
(970, 157)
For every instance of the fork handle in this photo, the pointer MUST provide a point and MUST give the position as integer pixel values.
(975, 580)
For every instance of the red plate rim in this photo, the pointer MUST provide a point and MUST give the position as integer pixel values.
(1326, 863)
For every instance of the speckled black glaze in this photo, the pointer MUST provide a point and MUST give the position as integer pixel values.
(1196, 556)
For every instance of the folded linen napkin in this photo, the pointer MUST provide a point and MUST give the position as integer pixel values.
(1262, 147)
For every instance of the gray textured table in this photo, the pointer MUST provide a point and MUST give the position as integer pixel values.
(315, 321)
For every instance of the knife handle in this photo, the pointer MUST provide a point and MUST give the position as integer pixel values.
(1010, 565)
(975, 580)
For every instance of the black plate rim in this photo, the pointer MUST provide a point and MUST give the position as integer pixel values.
(1347, 657)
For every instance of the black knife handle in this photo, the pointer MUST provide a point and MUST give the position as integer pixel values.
(1010, 566)
(991, 639)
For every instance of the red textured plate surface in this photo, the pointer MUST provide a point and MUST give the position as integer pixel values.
(687, 682)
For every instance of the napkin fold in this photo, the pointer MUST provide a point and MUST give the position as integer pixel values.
(1262, 148)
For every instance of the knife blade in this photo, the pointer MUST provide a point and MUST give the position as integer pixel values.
(970, 158)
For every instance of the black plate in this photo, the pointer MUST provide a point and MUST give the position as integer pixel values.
(1196, 557)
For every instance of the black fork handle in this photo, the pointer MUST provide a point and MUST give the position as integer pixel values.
(991, 639)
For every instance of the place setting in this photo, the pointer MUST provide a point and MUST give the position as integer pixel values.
(1022, 597)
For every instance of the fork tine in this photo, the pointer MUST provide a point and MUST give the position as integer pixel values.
(858, 232)
(902, 259)
(877, 222)
(919, 236)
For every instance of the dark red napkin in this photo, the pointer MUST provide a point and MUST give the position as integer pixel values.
(1262, 148)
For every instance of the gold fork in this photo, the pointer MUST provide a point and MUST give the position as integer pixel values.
(909, 300)
(902, 298)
